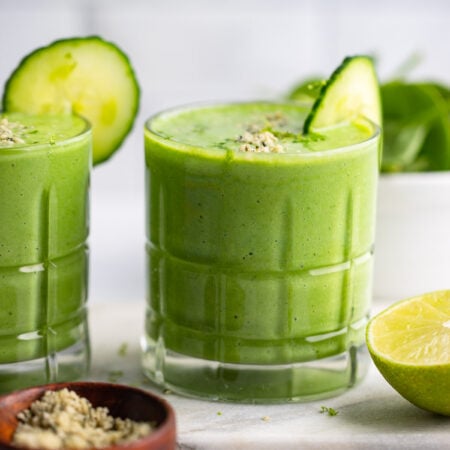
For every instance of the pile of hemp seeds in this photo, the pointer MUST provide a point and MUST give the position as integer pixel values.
(62, 419)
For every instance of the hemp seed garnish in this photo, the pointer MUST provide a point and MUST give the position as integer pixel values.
(10, 132)
(62, 419)
(262, 142)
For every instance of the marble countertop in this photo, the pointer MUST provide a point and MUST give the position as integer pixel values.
(370, 416)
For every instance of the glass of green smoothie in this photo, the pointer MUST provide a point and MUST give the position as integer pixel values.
(68, 105)
(260, 251)
(45, 164)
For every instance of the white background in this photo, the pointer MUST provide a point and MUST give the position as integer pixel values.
(195, 50)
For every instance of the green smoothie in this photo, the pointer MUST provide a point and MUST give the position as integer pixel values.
(44, 178)
(260, 243)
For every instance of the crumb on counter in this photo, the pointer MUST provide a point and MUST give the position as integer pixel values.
(328, 410)
(123, 349)
(115, 375)
(63, 419)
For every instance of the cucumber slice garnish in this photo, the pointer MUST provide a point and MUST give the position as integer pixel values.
(351, 91)
(86, 76)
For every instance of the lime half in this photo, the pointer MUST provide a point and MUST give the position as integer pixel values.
(410, 344)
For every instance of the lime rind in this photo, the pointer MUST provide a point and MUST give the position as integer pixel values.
(427, 387)
(351, 90)
(83, 85)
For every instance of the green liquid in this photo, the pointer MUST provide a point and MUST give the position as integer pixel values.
(258, 258)
(44, 182)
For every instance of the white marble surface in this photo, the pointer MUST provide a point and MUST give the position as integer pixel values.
(370, 416)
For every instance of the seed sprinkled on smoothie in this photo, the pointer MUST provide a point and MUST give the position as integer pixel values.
(276, 119)
(263, 142)
(62, 419)
(10, 132)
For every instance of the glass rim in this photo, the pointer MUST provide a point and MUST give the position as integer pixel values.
(38, 146)
(180, 146)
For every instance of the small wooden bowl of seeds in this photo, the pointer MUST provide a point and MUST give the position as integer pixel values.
(86, 415)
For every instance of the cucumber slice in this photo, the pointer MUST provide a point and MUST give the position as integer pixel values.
(351, 90)
(86, 76)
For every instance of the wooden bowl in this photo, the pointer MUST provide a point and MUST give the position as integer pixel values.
(122, 401)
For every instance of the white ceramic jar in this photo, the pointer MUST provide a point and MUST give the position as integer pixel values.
(412, 245)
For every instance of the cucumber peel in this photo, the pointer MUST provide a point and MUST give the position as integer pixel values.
(87, 76)
(351, 91)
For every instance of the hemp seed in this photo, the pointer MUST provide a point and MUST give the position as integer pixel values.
(62, 419)
(263, 142)
(10, 132)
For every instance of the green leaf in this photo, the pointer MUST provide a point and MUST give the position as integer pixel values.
(407, 66)
(416, 127)
(405, 142)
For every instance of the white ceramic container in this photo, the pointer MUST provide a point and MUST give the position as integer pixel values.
(412, 245)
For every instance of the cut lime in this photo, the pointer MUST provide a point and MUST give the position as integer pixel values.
(410, 344)
(86, 76)
(351, 91)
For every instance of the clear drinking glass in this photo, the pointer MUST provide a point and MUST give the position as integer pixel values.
(259, 265)
(44, 261)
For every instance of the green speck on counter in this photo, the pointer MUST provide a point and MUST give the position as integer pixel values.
(114, 375)
(123, 349)
(219, 413)
(329, 411)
